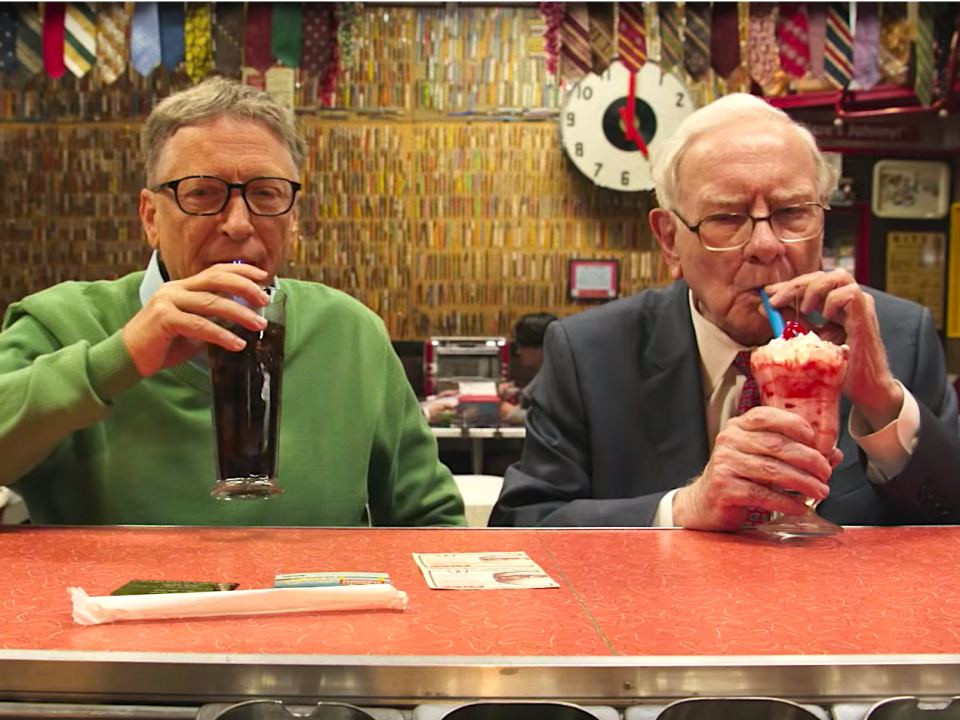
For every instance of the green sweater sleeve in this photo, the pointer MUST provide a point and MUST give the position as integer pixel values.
(408, 483)
(48, 391)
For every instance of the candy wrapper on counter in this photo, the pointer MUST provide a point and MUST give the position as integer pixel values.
(96, 610)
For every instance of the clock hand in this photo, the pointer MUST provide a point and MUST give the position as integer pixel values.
(626, 114)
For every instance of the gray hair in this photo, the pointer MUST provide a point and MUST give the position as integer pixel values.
(215, 98)
(735, 109)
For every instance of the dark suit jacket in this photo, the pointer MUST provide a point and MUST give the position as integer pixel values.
(618, 420)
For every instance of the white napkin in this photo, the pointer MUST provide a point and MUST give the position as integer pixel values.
(95, 610)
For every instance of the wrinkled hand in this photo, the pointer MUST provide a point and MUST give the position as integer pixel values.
(851, 319)
(755, 457)
(177, 321)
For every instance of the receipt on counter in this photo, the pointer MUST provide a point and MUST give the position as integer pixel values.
(96, 610)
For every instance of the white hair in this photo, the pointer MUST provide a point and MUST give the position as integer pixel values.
(736, 109)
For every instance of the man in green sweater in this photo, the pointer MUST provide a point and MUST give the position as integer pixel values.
(104, 390)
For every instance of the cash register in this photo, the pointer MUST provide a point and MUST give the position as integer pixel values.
(472, 366)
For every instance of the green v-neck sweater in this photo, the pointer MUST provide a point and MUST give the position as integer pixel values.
(85, 440)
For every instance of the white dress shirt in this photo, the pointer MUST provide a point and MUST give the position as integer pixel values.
(888, 450)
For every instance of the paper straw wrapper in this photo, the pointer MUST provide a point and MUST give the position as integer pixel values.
(96, 610)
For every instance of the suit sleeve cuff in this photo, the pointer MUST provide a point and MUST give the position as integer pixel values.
(889, 449)
(664, 515)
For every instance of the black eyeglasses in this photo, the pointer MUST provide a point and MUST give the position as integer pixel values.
(730, 231)
(208, 195)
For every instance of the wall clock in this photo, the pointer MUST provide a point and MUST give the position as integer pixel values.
(910, 189)
(611, 123)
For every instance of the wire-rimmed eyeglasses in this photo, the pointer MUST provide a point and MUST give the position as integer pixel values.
(730, 231)
(209, 195)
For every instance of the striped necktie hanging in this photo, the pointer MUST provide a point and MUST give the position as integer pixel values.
(257, 52)
(112, 28)
(838, 52)
(631, 35)
(697, 39)
(923, 84)
(866, 42)
(671, 37)
(575, 59)
(54, 18)
(602, 51)
(80, 38)
(725, 39)
(229, 40)
(29, 39)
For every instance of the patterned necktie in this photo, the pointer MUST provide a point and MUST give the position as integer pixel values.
(256, 43)
(794, 39)
(285, 32)
(172, 48)
(8, 38)
(838, 54)
(697, 39)
(111, 41)
(54, 17)
(145, 37)
(866, 42)
(750, 394)
(893, 54)
(817, 33)
(575, 60)
(80, 38)
(724, 39)
(631, 35)
(229, 44)
(671, 50)
(763, 51)
(601, 35)
(319, 38)
(198, 41)
(749, 398)
(29, 42)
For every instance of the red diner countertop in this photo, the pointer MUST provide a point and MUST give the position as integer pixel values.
(623, 592)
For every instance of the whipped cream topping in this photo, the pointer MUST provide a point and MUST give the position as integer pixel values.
(800, 349)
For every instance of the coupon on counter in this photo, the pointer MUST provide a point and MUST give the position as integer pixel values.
(482, 571)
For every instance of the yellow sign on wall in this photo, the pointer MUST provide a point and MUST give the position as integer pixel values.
(915, 269)
(953, 275)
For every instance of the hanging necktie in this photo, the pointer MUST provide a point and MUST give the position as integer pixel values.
(838, 53)
(319, 38)
(575, 57)
(198, 41)
(229, 41)
(893, 53)
(285, 32)
(671, 39)
(256, 44)
(54, 18)
(172, 48)
(145, 37)
(817, 33)
(602, 51)
(866, 42)
(552, 13)
(29, 39)
(80, 38)
(8, 38)
(724, 39)
(749, 398)
(697, 39)
(111, 41)
(763, 52)
(923, 84)
(944, 27)
(794, 39)
(631, 35)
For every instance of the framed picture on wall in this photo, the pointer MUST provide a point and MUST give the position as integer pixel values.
(594, 279)
(911, 189)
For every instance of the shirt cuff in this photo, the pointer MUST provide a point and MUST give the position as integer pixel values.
(890, 448)
(664, 515)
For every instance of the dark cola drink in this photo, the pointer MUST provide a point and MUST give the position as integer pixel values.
(247, 387)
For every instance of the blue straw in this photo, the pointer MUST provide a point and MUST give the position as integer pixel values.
(776, 319)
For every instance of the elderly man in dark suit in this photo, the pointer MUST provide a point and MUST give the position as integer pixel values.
(634, 420)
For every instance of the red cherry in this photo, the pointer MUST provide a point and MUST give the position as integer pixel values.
(793, 329)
